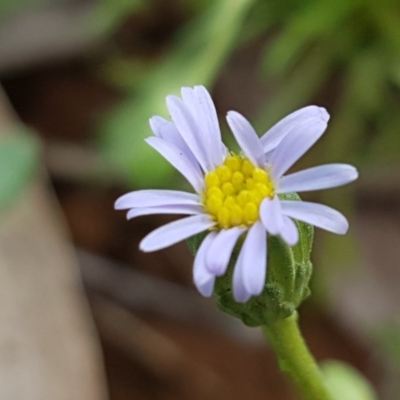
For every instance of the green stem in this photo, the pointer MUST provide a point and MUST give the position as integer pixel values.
(295, 359)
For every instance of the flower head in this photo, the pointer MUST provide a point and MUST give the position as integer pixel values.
(236, 194)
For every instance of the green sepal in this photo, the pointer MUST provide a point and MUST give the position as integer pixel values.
(288, 275)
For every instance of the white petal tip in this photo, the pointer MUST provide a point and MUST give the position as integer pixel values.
(342, 225)
(120, 204)
(233, 114)
(148, 246)
(153, 123)
(290, 240)
(143, 247)
(292, 243)
(354, 175)
(324, 115)
(242, 298)
(207, 289)
(343, 229)
(213, 269)
(171, 100)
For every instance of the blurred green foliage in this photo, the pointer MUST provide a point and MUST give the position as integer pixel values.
(344, 54)
(200, 49)
(347, 55)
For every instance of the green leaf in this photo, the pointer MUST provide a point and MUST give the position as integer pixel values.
(19, 158)
(204, 45)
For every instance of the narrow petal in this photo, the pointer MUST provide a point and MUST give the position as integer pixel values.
(255, 259)
(167, 130)
(203, 279)
(316, 214)
(240, 293)
(290, 124)
(289, 231)
(154, 198)
(292, 147)
(208, 120)
(178, 160)
(199, 103)
(317, 178)
(174, 232)
(220, 251)
(189, 99)
(159, 126)
(172, 209)
(271, 215)
(247, 137)
(188, 129)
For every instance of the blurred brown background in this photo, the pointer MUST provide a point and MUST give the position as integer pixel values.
(85, 314)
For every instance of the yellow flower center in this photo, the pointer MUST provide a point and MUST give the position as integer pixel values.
(234, 191)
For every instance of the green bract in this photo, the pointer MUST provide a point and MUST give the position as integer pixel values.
(288, 275)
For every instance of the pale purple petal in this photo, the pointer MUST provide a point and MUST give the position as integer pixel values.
(176, 231)
(316, 214)
(178, 159)
(290, 124)
(172, 209)
(255, 259)
(271, 215)
(189, 130)
(154, 198)
(246, 137)
(208, 121)
(289, 231)
(240, 293)
(189, 99)
(200, 105)
(292, 147)
(161, 127)
(203, 279)
(167, 130)
(220, 251)
(317, 178)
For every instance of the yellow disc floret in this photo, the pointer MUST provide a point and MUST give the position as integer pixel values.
(234, 191)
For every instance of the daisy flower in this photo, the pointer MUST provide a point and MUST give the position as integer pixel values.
(235, 194)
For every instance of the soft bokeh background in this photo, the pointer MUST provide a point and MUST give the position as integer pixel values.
(83, 78)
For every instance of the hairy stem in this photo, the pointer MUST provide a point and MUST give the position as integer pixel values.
(295, 359)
